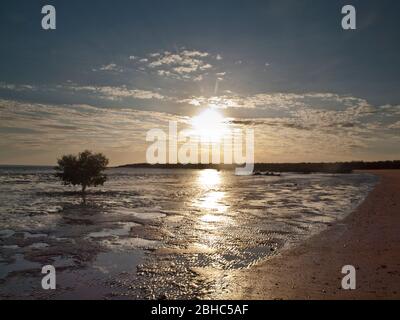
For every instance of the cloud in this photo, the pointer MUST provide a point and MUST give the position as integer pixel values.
(154, 55)
(325, 126)
(103, 92)
(395, 125)
(278, 101)
(220, 75)
(118, 93)
(66, 128)
(183, 65)
(259, 101)
(297, 139)
(288, 127)
(109, 67)
(389, 109)
(18, 87)
(324, 111)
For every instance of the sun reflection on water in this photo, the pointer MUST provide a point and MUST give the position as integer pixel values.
(209, 179)
(211, 202)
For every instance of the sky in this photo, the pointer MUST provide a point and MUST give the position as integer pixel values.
(113, 70)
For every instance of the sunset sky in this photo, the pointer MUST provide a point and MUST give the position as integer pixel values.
(115, 69)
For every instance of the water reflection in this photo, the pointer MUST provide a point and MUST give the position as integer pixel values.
(209, 179)
(210, 182)
(212, 199)
(211, 218)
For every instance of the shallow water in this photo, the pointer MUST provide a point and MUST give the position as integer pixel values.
(150, 227)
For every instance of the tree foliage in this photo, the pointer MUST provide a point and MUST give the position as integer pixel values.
(85, 169)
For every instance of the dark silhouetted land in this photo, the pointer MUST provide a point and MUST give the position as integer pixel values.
(337, 167)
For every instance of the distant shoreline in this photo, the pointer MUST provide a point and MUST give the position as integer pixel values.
(336, 167)
(304, 168)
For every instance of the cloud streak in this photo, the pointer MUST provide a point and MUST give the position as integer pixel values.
(117, 93)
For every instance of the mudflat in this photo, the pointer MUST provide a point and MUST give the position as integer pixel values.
(368, 239)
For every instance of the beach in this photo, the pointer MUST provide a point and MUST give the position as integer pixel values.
(188, 229)
(368, 239)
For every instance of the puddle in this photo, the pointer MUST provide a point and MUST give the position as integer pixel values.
(117, 262)
(105, 233)
(6, 233)
(20, 264)
(11, 247)
(28, 235)
(39, 245)
(63, 262)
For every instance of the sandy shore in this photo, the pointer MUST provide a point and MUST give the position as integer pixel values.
(368, 239)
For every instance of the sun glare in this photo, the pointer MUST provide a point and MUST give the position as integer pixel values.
(210, 125)
(209, 179)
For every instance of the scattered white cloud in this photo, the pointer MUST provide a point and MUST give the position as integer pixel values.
(17, 87)
(395, 125)
(183, 65)
(198, 78)
(109, 67)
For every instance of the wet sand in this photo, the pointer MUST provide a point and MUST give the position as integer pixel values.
(368, 239)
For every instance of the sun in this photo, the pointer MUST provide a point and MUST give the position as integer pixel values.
(210, 125)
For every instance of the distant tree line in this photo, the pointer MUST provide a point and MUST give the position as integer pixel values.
(337, 167)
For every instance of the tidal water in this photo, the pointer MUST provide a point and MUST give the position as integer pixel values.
(156, 234)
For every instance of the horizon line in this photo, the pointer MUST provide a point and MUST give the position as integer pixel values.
(206, 164)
